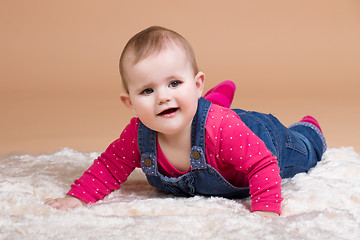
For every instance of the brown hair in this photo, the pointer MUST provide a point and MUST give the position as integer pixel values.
(152, 41)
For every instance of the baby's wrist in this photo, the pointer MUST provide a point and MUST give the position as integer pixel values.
(81, 201)
(267, 214)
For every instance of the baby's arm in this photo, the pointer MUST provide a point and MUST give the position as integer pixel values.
(106, 173)
(249, 156)
(65, 203)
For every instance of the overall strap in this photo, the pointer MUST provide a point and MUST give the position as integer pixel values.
(197, 157)
(147, 148)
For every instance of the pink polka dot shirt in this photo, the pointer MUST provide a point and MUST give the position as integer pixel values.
(231, 148)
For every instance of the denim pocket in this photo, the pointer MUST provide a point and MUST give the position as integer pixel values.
(298, 158)
(294, 142)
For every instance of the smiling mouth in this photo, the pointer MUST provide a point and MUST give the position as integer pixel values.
(168, 112)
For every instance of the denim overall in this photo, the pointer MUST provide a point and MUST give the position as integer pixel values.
(297, 149)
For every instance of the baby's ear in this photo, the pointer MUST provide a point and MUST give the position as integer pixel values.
(125, 98)
(200, 83)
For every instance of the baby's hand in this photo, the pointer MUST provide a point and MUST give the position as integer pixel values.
(65, 203)
(266, 214)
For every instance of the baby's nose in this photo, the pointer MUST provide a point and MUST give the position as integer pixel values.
(163, 97)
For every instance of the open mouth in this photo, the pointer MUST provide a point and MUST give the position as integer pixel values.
(168, 111)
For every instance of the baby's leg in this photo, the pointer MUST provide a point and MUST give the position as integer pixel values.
(309, 132)
(309, 127)
(298, 148)
(222, 94)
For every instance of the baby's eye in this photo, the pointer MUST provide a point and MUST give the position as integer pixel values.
(147, 91)
(175, 83)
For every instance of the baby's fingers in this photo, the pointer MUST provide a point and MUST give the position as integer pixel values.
(55, 203)
(49, 201)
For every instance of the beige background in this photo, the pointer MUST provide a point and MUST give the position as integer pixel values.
(60, 83)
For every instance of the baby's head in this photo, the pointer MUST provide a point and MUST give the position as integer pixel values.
(161, 80)
(152, 41)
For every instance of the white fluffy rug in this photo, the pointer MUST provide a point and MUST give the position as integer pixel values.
(323, 204)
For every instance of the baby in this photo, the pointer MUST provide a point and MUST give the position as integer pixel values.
(188, 146)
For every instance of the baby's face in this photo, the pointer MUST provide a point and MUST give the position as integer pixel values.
(163, 90)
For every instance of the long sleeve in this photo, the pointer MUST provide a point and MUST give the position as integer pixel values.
(111, 168)
(244, 160)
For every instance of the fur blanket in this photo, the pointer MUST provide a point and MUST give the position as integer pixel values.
(323, 204)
